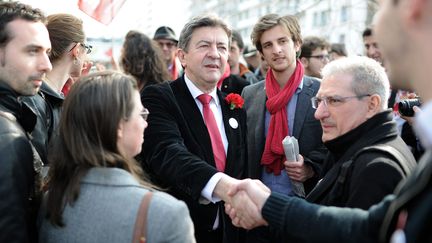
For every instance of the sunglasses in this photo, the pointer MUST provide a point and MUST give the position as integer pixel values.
(88, 48)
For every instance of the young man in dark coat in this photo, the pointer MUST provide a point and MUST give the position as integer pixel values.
(24, 46)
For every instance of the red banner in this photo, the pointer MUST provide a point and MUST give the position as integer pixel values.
(103, 11)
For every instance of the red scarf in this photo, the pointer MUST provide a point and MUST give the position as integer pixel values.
(174, 70)
(277, 100)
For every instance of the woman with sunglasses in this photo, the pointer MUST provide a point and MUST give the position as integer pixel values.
(95, 187)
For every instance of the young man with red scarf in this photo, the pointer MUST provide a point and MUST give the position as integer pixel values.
(281, 106)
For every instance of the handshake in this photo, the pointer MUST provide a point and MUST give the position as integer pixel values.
(244, 200)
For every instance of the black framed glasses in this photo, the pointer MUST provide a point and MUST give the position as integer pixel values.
(332, 101)
(88, 48)
(144, 113)
(320, 57)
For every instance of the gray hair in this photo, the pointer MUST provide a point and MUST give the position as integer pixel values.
(369, 77)
(198, 22)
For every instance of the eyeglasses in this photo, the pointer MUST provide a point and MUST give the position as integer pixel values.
(144, 113)
(332, 101)
(88, 48)
(320, 57)
(168, 44)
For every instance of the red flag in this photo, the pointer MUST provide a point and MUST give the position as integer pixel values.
(109, 52)
(103, 11)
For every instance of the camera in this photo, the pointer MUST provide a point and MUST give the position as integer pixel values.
(405, 107)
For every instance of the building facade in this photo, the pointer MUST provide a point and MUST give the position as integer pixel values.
(339, 21)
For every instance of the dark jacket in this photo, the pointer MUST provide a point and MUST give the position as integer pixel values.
(296, 218)
(233, 84)
(17, 212)
(177, 150)
(47, 106)
(371, 175)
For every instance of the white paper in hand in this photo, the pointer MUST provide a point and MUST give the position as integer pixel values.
(291, 149)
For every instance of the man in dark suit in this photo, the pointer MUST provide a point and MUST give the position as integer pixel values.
(187, 151)
(403, 29)
(280, 106)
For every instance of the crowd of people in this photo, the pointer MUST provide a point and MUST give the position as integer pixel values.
(183, 140)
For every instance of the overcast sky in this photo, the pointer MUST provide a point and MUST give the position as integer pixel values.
(130, 16)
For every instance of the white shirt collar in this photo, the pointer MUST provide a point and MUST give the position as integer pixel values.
(195, 91)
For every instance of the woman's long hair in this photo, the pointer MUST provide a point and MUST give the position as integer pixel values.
(87, 137)
(142, 58)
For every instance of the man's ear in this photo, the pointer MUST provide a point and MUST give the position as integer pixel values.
(181, 56)
(304, 61)
(374, 105)
(75, 51)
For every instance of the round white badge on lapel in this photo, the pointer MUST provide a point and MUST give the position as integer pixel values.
(233, 123)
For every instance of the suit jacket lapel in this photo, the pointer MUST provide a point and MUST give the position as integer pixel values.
(303, 106)
(232, 133)
(257, 118)
(193, 118)
(226, 115)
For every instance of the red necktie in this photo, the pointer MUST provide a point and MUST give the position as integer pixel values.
(213, 130)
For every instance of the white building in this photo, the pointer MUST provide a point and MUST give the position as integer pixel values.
(339, 21)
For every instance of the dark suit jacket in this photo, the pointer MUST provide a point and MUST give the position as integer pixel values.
(177, 150)
(307, 129)
(234, 84)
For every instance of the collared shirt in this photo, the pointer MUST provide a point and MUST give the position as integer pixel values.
(423, 126)
(207, 191)
(282, 183)
(214, 106)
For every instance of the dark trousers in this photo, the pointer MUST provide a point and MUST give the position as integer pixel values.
(203, 236)
(263, 235)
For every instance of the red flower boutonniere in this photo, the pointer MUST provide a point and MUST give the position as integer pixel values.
(234, 101)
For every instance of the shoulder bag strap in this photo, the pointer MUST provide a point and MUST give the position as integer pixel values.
(139, 235)
(385, 148)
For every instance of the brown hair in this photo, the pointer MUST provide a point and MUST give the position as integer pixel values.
(311, 43)
(288, 22)
(142, 58)
(10, 11)
(64, 29)
(87, 138)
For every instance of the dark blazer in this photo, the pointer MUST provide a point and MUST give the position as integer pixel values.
(177, 150)
(234, 84)
(307, 129)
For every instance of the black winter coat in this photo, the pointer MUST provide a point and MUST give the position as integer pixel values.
(17, 212)
(372, 175)
(47, 105)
